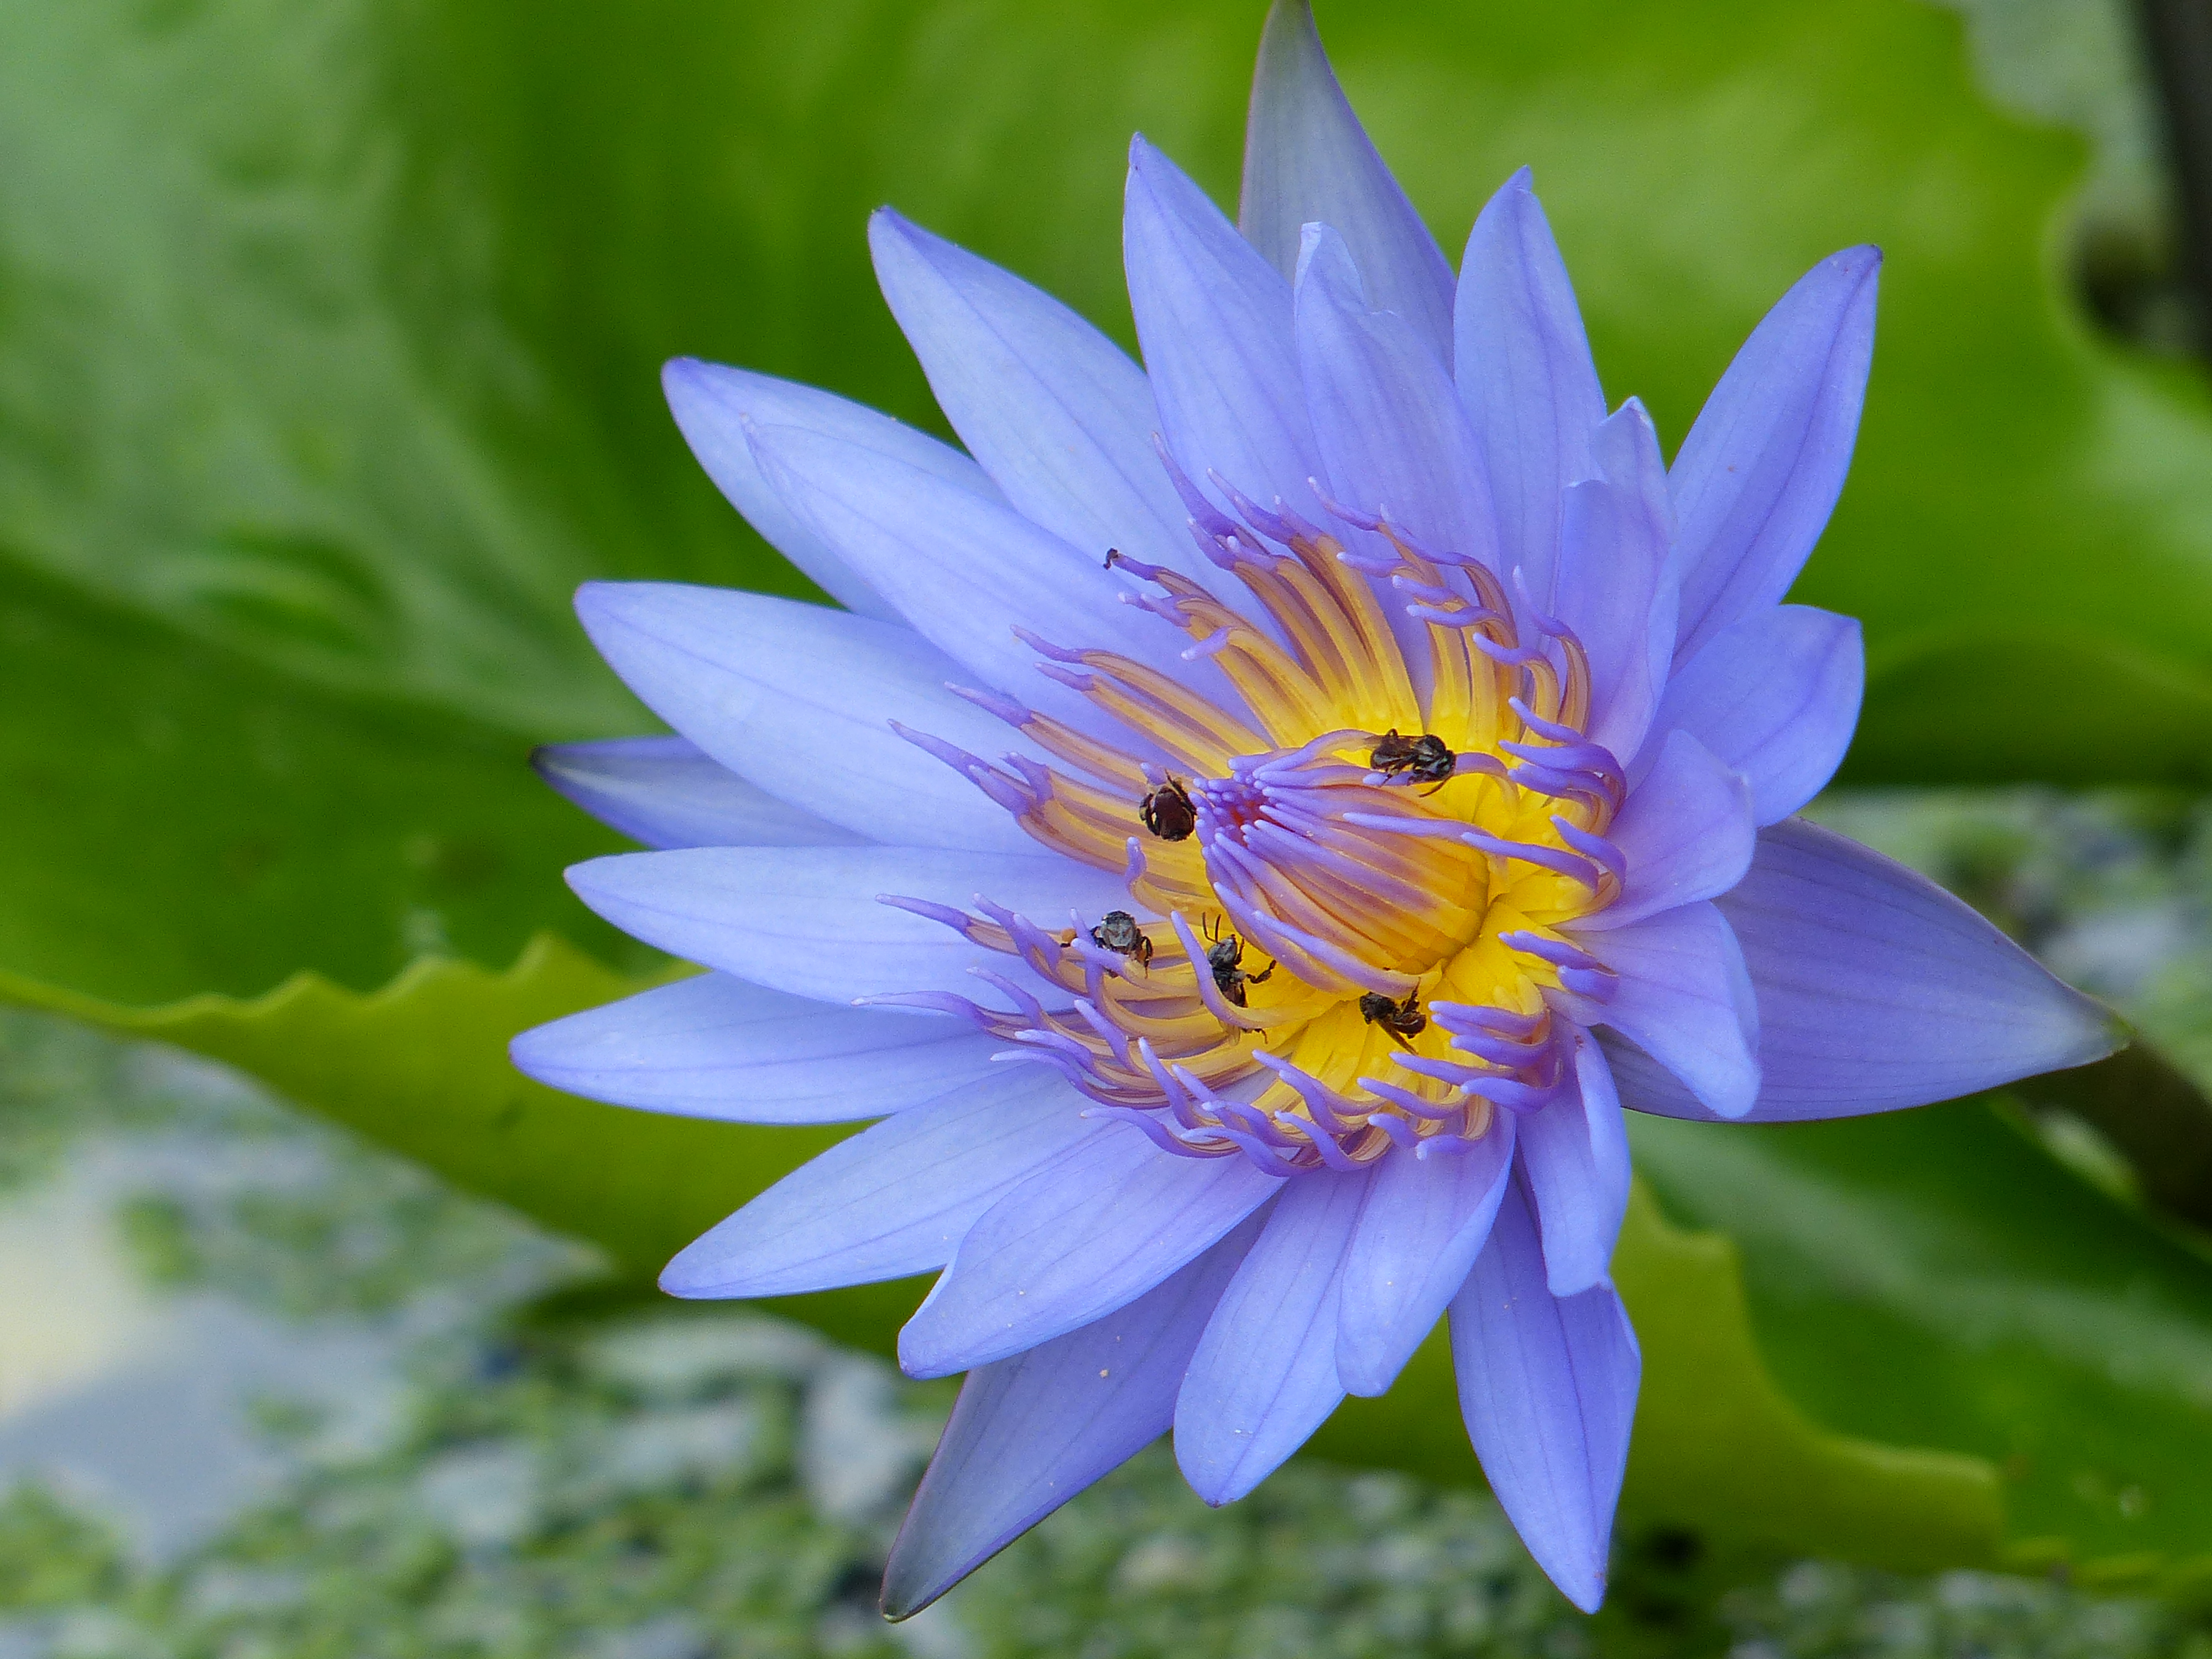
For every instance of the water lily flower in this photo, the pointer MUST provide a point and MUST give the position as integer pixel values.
(1256, 822)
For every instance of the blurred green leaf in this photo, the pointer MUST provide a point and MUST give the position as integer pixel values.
(179, 820)
(1934, 1278)
(421, 1067)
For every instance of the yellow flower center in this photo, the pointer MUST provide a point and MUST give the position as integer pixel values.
(1352, 885)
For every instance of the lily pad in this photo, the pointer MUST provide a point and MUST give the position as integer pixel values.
(1935, 1277)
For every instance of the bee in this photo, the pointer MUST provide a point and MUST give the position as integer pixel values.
(1427, 757)
(1225, 957)
(1402, 1020)
(1167, 811)
(1117, 930)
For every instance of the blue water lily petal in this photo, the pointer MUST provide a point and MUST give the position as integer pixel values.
(1686, 834)
(1877, 990)
(1031, 1432)
(817, 923)
(1777, 697)
(715, 404)
(1574, 1159)
(1308, 161)
(1526, 374)
(1548, 1387)
(1425, 1222)
(1054, 411)
(1763, 465)
(1215, 320)
(667, 792)
(1264, 1375)
(894, 1200)
(715, 1046)
(1091, 1230)
(801, 700)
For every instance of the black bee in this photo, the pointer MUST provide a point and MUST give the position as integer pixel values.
(1427, 757)
(1167, 811)
(1225, 957)
(1117, 930)
(1402, 1020)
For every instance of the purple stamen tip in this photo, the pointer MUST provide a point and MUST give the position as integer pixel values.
(934, 1002)
(1421, 550)
(1511, 1095)
(1597, 848)
(1406, 1101)
(1402, 1134)
(1302, 527)
(1338, 510)
(1270, 1161)
(1143, 572)
(1075, 679)
(1405, 582)
(952, 753)
(959, 921)
(1371, 564)
(1031, 1009)
(1268, 524)
(993, 702)
(1218, 553)
(1557, 953)
(1044, 647)
(1160, 1134)
(1326, 1145)
(1057, 1061)
(1202, 511)
(1134, 870)
(1542, 727)
(1002, 791)
(1038, 777)
(1570, 865)
(1165, 607)
(1506, 656)
(1545, 623)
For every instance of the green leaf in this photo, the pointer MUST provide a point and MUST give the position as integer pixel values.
(179, 820)
(421, 1067)
(1934, 1278)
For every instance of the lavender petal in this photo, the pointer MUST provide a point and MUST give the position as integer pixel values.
(1308, 161)
(1264, 1377)
(893, 1200)
(1548, 1388)
(1031, 1432)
